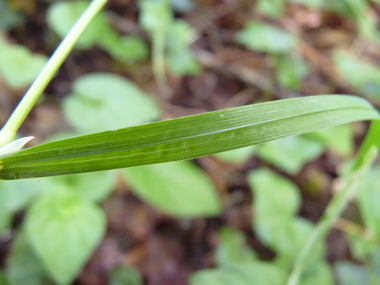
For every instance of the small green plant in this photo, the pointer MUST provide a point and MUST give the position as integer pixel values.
(290, 68)
(72, 211)
(18, 66)
(171, 39)
(63, 15)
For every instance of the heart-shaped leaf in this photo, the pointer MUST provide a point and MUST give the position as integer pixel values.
(64, 230)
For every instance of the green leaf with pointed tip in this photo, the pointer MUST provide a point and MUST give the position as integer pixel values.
(178, 188)
(263, 37)
(64, 230)
(187, 137)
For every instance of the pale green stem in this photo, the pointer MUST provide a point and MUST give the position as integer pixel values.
(8, 132)
(159, 60)
(333, 211)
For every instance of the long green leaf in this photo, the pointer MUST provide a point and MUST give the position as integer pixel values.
(187, 137)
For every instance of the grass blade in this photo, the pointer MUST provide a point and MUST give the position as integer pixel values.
(186, 137)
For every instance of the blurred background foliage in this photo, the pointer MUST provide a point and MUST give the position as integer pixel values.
(239, 217)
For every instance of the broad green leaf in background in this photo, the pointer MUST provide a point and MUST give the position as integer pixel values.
(180, 35)
(9, 17)
(155, 15)
(361, 247)
(263, 37)
(339, 138)
(339, 6)
(270, 191)
(187, 137)
(358, 7)
(24, 267)
(237, 155)
(272, 9)
(252, 273)
(128, 49)
(180, 59)
(3, 279)
(276, 202)
(361, 74)
(290, 71)
(15, 196)
(182, 62)
(125, 276)
(365, 19)
(368, 27)
(319, 274)
(64, 230)
(5, 220)
(288, 239)
(62, 16)
(373, 266)
(103, 101)
(233, 248)
(349, 273)
(90, 186)
(18, 66)
(369, 201)
(311, 4)
(178, 188)
(290, 154)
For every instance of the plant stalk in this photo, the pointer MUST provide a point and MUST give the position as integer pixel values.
(332, 212)
(159, 61)
(8, 132)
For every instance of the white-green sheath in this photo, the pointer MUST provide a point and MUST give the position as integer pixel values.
(14, 146)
